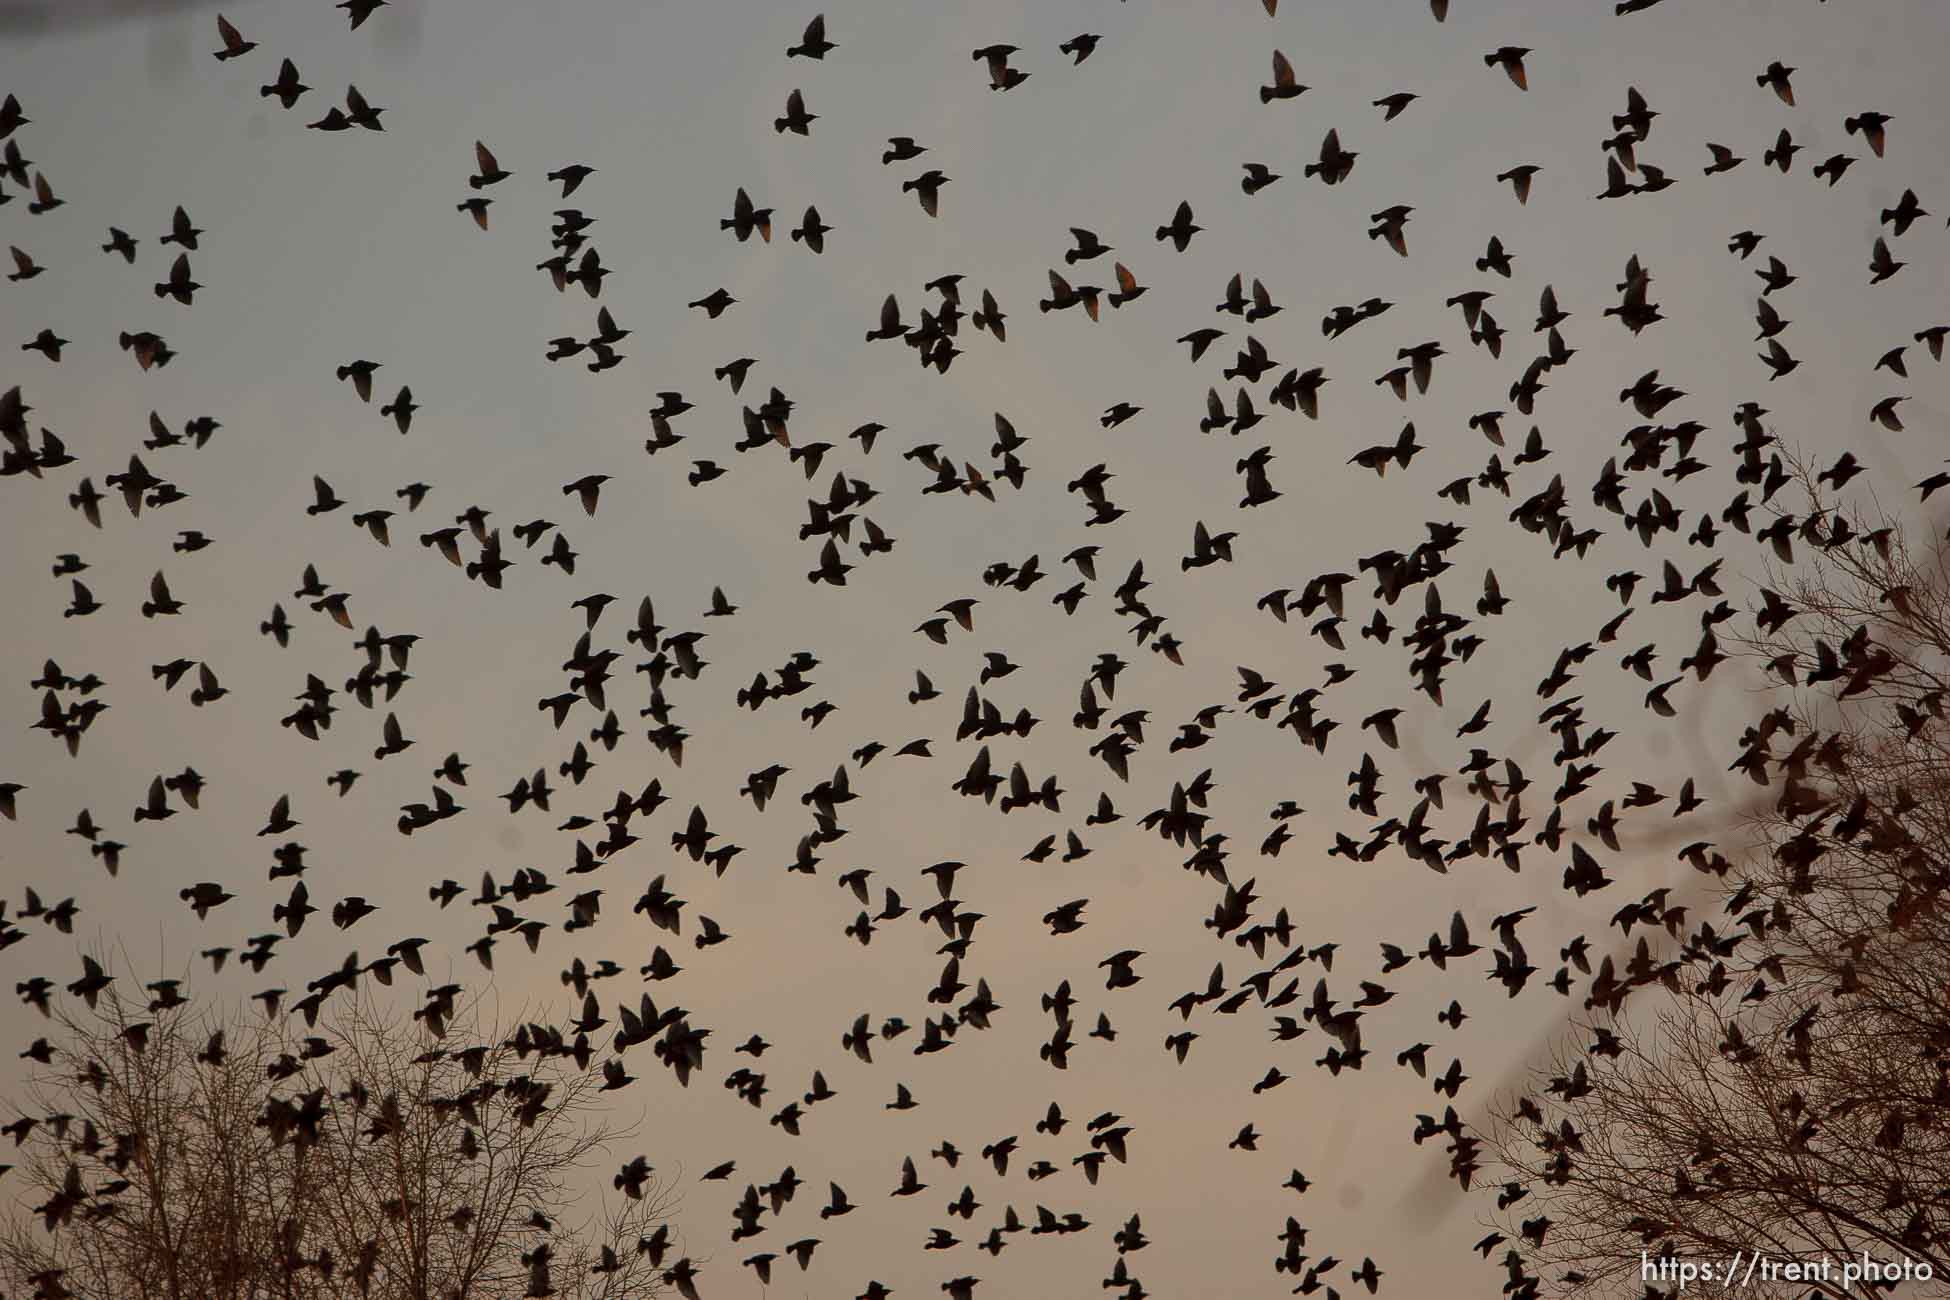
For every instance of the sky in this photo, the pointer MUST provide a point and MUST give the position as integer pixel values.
(324, 248)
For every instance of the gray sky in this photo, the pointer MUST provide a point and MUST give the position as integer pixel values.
(323, 248)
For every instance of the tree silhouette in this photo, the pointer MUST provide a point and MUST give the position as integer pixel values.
(1776, 1078)
(181, 1155)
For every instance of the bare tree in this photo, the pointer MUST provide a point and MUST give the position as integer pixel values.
(168, 1154)
(1775, 1080)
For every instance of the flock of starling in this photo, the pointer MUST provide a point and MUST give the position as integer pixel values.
(1678, 511)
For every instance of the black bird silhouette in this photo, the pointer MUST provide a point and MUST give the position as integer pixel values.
(1775, 78)
(745, 218)
(1181, 229)
(234, 43)
(1395, 104)
(1284, 86)
(489, 173)
(813, 44)
(287, 88)
(571, 177)
(1510, 59)
(927, 188)
(796, 119)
